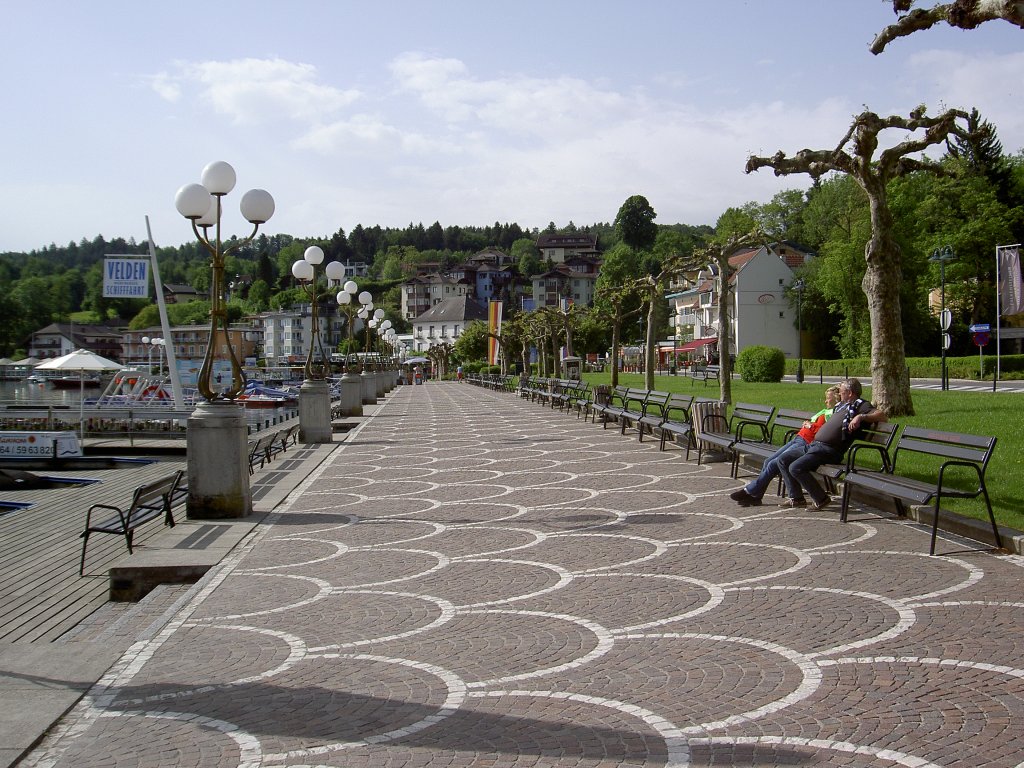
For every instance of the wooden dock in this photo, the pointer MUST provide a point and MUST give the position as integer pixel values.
(42, 597)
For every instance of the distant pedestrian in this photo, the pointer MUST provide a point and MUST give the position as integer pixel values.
(458, 374)
(417, 375)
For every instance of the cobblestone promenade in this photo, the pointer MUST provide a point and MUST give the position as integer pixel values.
(474, 580)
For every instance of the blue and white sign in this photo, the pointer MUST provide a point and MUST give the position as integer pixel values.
(125, 277)
(980, 328)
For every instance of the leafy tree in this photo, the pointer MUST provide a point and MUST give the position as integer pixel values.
(259, 296)
(472, 342)
(635, 225)
(527, 256)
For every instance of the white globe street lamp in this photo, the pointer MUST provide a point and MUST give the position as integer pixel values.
(304, 270)
(202, 204)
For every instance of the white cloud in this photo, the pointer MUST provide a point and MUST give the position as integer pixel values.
(989, 81)
(260, 90)
(165, 86)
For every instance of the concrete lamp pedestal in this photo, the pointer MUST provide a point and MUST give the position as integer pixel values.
(369, 388)
(216, 445)
(350, 400)
(315, 412)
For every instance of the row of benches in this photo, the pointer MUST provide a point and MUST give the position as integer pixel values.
(752, 433)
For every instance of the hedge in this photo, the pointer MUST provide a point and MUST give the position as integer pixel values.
(1010, 367)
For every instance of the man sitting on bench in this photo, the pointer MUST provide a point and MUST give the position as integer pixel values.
(833, 439)
(750, 494)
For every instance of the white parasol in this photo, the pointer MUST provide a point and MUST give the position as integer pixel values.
(80, 360)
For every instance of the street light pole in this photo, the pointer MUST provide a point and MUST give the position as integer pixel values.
(799, 287)
(945, 318)
(216, 434)
(351, 385)
(314, 394)
(202, 204)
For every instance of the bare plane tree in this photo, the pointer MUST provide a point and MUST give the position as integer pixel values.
(857, 155)
(962, 14)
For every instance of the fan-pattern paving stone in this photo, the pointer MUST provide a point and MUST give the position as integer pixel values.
(476, 580)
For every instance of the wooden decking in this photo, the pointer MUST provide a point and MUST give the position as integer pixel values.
(42, 596)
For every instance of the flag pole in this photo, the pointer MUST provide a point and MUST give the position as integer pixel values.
(998, 315)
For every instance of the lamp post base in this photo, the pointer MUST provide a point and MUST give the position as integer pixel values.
(217, 462)
(315, 412)
(350, 400)
(369, 388)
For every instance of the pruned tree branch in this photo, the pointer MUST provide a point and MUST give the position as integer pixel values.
(855, 153)
(962, 14)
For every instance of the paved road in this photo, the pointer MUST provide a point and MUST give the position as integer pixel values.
(474, 580)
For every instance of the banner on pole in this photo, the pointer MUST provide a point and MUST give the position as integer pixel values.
(125, 277)
(494, 327)
(1011, 287)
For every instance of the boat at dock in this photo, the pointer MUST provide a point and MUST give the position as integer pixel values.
(258, 395)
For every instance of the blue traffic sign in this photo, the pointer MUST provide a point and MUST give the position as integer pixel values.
(980, 328)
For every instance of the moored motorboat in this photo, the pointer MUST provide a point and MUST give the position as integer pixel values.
(257, 395)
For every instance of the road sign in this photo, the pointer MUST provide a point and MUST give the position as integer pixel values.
(980, 328)
(946, 319)
(945, 341)
(980, 339)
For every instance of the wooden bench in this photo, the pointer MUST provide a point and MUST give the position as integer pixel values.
(655, 418)
(561, 392)
(282, 439)
(573, 397)
(787, 423)
(150, 501)
(962, 459)
(705, 372)
(616, 404)
(723, 432)
(637, 408)
(677, 422)
(874, 438)
(259, 451)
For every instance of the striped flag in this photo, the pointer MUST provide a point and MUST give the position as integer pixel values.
(494, 327)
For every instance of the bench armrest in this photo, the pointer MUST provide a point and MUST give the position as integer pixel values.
(109, 508)
(851, 457)
(742, 426)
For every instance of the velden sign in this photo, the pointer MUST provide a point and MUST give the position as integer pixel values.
(125, 277)
(47, 445)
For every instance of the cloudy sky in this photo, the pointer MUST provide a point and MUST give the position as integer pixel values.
(464, 112)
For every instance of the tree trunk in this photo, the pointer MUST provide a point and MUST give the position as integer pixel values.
(890, 386)
(556, 365)
(650, 337)
(724, 348)
(616, 325)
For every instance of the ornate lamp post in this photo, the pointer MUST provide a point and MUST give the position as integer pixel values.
(218, 466)
(945, 316)
(351, 387)
(202, 204)
(314, 394)
(369, 381)
(798, 286)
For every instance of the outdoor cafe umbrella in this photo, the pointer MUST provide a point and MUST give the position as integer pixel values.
(414, 360)
(81, 360)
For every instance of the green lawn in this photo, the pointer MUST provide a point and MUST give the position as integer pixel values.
(980, 413)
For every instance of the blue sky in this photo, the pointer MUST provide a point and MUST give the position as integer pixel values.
(463, 112)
